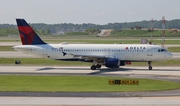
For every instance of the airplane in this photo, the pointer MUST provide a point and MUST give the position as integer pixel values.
(109, 55)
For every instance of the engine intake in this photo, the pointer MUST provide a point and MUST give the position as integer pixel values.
(112, 62)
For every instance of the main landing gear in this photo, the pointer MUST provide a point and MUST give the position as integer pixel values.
(94, 67)
(149, 63)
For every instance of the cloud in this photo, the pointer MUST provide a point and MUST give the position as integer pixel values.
(176, 10)
(1, 11)
(130, 13)
(74, 9)
(100, 14)
(103, 13)
(20, 12)
(155, 12)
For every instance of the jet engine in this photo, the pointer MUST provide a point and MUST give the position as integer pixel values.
(112, 62)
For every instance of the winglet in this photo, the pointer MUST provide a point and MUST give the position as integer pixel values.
(27, 34)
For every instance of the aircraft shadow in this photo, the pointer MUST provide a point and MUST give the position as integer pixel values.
(100, 71)
(49, 68)
(106, 70)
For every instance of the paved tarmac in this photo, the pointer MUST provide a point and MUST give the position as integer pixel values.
(159, 73)
(14, 54)
(158, 98)
(125, 70)
(10, 43)
(84, 101)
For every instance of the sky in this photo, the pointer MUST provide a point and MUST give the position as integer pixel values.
(87, 11)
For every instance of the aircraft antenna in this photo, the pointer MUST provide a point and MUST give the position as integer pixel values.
(163, 31)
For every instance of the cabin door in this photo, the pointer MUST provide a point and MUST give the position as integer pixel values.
(44, 53)
(149, 51)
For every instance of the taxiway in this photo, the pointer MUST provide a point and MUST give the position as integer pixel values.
(126, 70)
(83, 101)
(158, 98)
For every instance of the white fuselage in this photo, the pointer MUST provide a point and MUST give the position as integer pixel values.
(109, 55)
(125, 52)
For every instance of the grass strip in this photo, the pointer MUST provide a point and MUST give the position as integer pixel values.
(174, 49)
(6, 48)
(49, 62)
(78, 84)
(41, 61)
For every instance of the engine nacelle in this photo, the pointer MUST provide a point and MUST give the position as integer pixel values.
(112, 62)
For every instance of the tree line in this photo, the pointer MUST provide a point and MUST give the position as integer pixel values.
(46, 29)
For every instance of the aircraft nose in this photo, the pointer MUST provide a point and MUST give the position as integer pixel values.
(169, 55)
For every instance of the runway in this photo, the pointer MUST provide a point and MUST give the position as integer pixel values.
(125, 70)
(158, 98)
(159, 73)
(83, 101)
(130, 70)
(14, 54)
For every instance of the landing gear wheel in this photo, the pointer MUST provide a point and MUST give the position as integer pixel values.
(18, 62)
(117, 67)
(150, 67)
(149, 63)
(98, 66)
(93, 67)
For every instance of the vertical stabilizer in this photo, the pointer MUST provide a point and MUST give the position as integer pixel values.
(27, 34)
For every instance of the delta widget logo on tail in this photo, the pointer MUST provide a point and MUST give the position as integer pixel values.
(27, 34)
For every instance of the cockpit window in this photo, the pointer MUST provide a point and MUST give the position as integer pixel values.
(162, 50)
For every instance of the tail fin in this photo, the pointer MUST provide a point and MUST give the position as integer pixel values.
(27, 34)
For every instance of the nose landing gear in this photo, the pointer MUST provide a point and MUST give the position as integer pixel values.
(149, 63)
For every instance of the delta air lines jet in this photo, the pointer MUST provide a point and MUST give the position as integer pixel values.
(109, 55)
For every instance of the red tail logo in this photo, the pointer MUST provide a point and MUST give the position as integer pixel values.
(27, 34)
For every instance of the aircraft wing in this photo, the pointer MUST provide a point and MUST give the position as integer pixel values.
(93, 57)
(89, 57)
